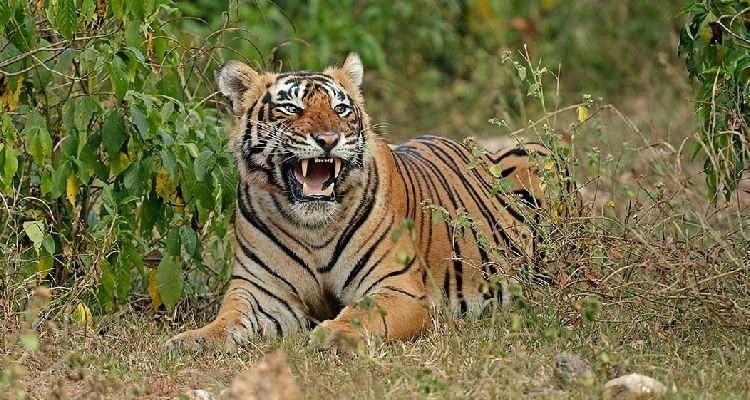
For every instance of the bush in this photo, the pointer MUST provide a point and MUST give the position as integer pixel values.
(715, 46)
(110, 148)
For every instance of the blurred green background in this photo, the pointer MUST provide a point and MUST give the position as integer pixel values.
(436, 65)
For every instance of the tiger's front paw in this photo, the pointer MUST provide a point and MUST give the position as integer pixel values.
(332, 334)
(216, 336)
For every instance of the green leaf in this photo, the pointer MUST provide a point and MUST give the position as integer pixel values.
(169, 161)
(40, 146)
(402, 256)
(134, 257)
(87, 10)
(116, 6)
(119, 76)
(65, 61)
(203, 164)
(134, 177)
(113, 133)
(11, 164)
(151, 211)
(35, 231)
(506, 185)
(49, 244)
(106, 290)
(67, 18)
(166, 111)
(189, 240)
(395, 235)
(140, 122)
(5, 8)
(84, 110)
(172, 245)
(60, 179)
(169, 281)
(123, 277)
(45, 182)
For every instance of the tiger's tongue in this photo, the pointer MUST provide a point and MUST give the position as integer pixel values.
(317, 174)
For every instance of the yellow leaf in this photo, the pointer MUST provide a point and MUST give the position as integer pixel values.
(542, 185)
(82, 316)
(611, 203)
(101, 11)
(118, 164)
(10, 98)
(583, 113)
(164, 186)
(179, 207)
(71, 190)
(44, 267)
(153, 289)
(549, 164)
(548, 4)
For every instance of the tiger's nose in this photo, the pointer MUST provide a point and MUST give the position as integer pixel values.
(327, 140)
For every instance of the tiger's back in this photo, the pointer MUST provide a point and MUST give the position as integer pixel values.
(435, 170)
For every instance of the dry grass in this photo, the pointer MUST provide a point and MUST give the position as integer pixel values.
(485, 360)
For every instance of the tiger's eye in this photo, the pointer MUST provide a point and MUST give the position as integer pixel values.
(341, 109)
(290, 109)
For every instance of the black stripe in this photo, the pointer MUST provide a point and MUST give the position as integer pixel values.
(404, 292)
(253, 220)
(277, 324)
(366, 257)
(273, 296)
(362, 212)
(249, 254)
(372, 268)
(392, 274)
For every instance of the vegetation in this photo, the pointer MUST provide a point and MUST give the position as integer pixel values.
(117, 191)
(715, 46)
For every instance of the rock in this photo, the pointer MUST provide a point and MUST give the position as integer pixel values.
(197, 395)
(634, 386)
(270, 379)
(571, 369)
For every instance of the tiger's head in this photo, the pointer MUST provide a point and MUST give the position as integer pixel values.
(301, 136)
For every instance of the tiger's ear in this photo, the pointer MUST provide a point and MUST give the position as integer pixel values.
(352, 68)
(234, 79)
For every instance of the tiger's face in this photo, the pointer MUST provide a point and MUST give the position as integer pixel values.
(301, 135)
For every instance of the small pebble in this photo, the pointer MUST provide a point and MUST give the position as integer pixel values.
(571, 369)
(634, 386)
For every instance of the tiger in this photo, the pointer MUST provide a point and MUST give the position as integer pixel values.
(320, 195)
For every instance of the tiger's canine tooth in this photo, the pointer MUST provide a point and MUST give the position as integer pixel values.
(328, 191)
(304, 167)
(305, 189)
(336, 167)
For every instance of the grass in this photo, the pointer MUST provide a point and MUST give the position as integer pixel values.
(124, 359)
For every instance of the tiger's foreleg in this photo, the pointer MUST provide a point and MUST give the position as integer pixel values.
(396, 309)
(248, 311)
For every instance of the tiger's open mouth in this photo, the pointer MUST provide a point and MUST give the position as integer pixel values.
(314, 179)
